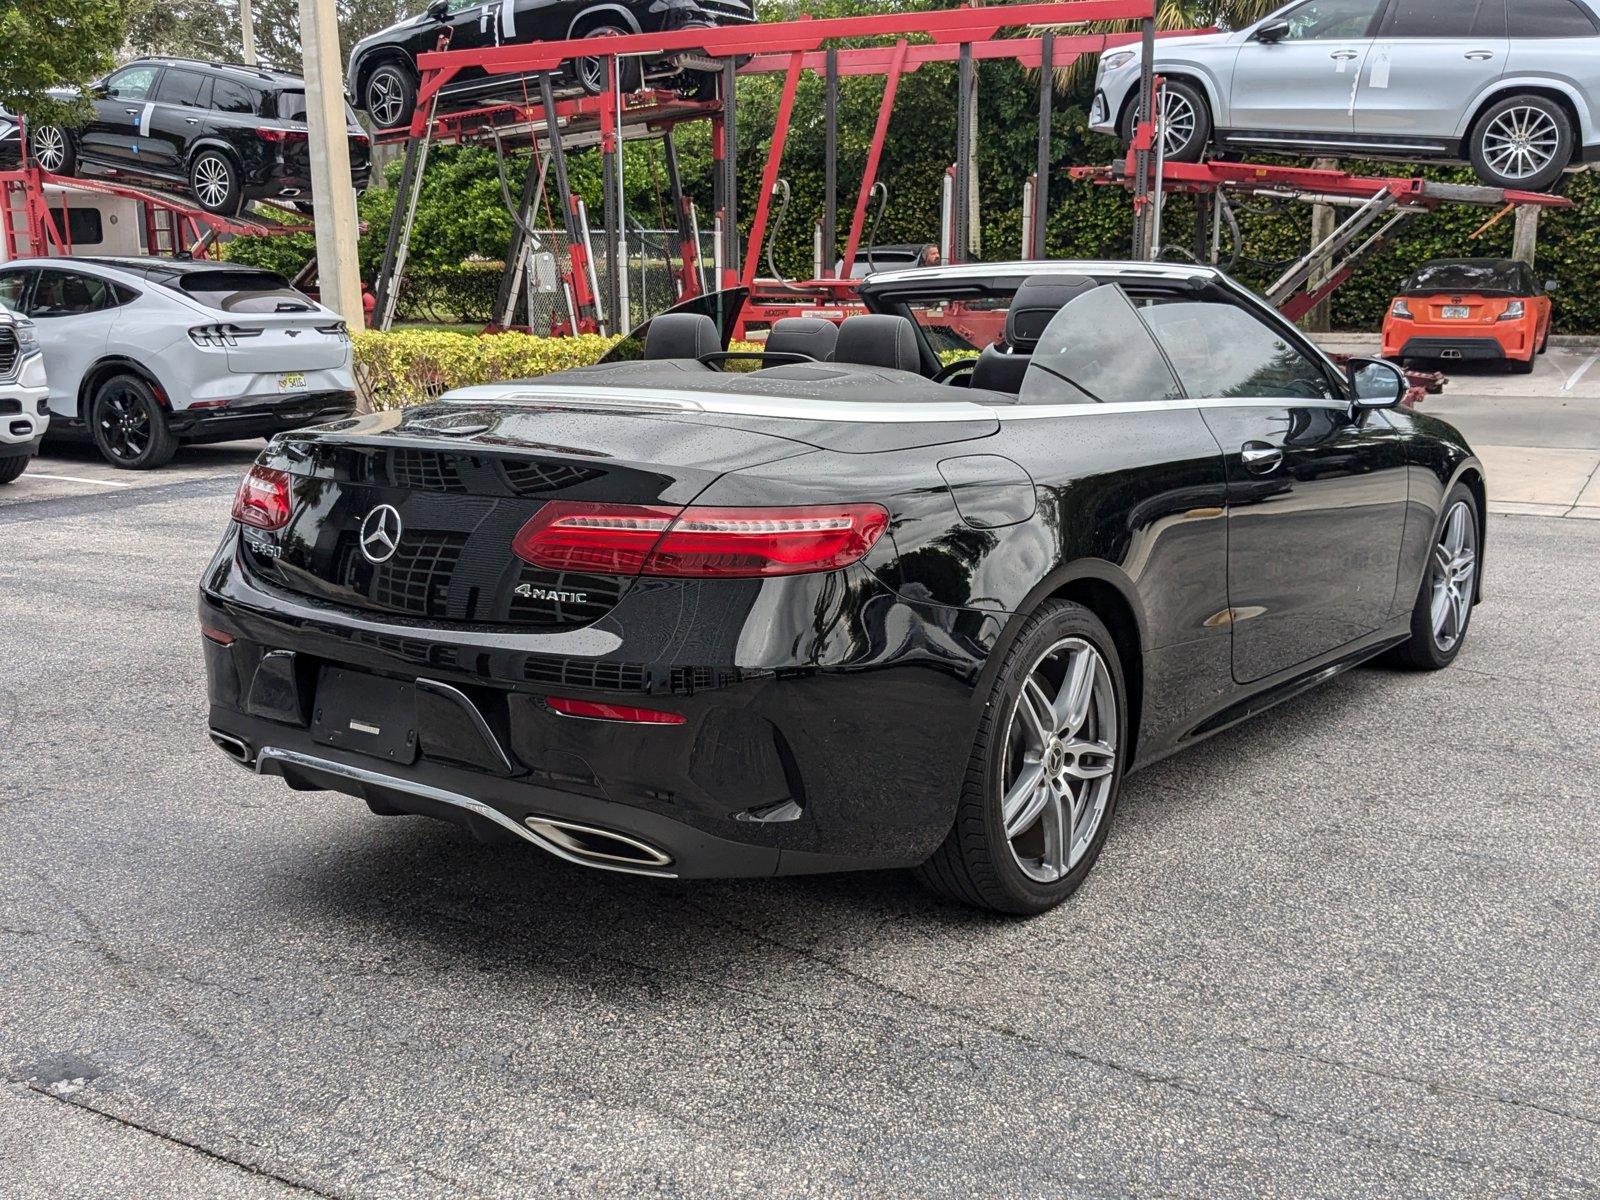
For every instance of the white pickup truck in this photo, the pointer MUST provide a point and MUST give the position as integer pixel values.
(23, 394)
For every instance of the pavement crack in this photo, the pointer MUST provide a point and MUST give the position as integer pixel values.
(181, 1143)
(1142, 1074)
(1432, 1085)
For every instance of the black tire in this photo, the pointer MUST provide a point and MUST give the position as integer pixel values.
(1182, 98)
(1425, 650)
(52, 147)
(130, 426)
(1520, 366)
(1549, 127)
(390, 95)
(977, 864)
(11, 469)
(591, 72)
(214, 182)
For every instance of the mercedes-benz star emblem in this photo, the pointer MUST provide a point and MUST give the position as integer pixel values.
(380, 534)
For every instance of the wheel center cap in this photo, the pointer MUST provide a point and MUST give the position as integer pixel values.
(1057, 758)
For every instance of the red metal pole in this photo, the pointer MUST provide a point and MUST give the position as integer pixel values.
(769, 174)
(869, 176)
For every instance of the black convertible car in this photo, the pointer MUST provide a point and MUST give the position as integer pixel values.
(382, 76)
(849, 609)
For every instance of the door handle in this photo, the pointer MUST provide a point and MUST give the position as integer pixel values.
(1260, 458)
(132, 112)
(1344, 55)
(191, 120)
(1479, 55)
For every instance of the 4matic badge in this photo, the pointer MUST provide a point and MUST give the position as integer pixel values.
(528, 592)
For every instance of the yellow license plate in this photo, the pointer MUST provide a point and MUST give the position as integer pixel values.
(292, 381)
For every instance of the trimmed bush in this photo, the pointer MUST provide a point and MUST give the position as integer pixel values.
(414, 366)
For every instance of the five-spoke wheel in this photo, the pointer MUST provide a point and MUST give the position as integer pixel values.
(129, 425)
(1449, 588)
(1048, 760)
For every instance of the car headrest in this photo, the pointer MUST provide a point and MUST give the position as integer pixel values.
(878, 340)
(998, 371)
(681, 335)
(1038, 299)
(811, 336)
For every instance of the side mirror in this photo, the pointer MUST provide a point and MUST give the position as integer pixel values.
(439, 9)
(1272, 31)
(1376, 382)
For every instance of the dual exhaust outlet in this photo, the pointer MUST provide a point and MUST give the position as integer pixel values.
(585, 845)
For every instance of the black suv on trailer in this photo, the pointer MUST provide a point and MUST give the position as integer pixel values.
(382, 75)
(228, 133)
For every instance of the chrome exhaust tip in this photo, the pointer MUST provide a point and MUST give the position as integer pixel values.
(593, 847)
(233, 747)
(1450, 354)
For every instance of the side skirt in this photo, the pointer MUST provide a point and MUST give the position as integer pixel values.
(1274, 694)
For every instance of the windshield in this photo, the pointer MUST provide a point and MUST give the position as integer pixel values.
(1468, 276)
(1096, 350)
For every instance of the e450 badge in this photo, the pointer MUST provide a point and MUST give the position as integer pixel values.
(528, 592)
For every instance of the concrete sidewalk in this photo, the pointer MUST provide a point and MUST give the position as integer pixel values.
(1538, 434)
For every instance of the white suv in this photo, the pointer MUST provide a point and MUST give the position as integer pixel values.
(24, 415)
(145, 353)
(1511, 86)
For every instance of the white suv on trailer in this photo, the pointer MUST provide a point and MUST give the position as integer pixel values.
(145, 353)
(24, 415)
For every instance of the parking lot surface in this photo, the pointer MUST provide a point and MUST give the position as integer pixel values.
(1348, 949)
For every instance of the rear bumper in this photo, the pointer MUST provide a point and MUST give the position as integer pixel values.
(836, 749)
(1470, 349)
(260, 418)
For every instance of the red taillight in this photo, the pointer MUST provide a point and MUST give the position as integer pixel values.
(271, 133)
(216, 635)
(698, 542)
(592, 711)
(263, 498)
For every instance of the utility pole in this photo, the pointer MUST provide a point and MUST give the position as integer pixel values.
(332, 196)
(1320, 318)
(247, 33)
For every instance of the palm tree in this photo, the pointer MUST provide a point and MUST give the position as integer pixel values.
(1170, 15)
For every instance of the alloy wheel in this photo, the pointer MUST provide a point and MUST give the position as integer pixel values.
(1455, 565)
(592, 75)
(1177, 122)
(1521, 142)
(211, 181)
(1060, 760)
(124, 423)
(50, 147)
(385, 98)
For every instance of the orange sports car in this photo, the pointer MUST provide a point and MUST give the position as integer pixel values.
(1482, 309)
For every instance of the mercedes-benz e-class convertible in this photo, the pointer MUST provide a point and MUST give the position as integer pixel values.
(852, 608)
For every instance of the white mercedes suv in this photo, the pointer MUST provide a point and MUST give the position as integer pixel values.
(1511, 86)
(24, 414)
(145, 353)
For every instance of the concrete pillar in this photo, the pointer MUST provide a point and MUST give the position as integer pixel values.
(332, 196)
(247, 33)
(1525, 237)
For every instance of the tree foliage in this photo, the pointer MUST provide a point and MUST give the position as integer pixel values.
(54, 44)
(208, 29)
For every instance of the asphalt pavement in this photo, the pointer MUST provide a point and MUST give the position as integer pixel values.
(1349, 949)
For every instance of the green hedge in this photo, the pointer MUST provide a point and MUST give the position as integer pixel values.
(413, 366)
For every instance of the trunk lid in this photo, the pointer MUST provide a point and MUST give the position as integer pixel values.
(454, 483)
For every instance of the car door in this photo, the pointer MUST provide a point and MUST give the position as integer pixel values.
(1316, 495)
(74, 312)
(1305, 81)
(178, 115)
(1428, 67)
(121, 111)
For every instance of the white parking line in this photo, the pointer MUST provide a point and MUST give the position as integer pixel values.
(1572, 380)
(77, 479)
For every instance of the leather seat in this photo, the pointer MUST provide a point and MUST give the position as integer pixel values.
(682, 335)
(878, 340)
(1001, 367)
(814, 337)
